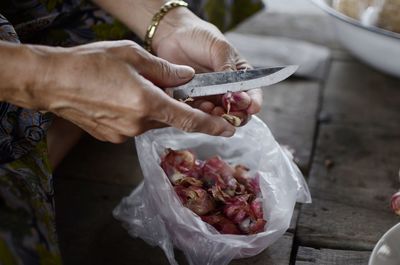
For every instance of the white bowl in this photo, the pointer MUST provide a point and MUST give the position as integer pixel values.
(387, 250)
(377, 47)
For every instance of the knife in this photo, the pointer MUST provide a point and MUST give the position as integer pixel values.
(217, 83)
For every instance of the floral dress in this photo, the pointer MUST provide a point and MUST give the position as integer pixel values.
(27, 219)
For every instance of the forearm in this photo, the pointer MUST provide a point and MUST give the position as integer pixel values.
(137, 14)
(15, 70)
(20, 71)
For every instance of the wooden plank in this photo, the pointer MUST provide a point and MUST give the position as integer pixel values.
(290, 111)
(276, 254)
(357, 94)
(364, 165)
(312, 256)
(336, 225)
(295, 217)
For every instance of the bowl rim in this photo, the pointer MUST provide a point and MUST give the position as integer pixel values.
(373, 253)
(331, 11)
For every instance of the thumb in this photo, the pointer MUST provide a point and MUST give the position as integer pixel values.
(165, 74)
(186, 118)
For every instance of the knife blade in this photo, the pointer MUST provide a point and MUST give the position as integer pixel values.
(217, 83)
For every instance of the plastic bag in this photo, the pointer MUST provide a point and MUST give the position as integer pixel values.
(154, 212)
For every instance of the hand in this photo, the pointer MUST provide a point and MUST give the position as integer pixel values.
(183, 38)
(111, 90)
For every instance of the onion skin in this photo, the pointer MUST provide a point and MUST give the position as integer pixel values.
(235, 105)
(236, 101)
(222, 224)
(225, 196)
(196, 199)
(236, 118)
(396, 203)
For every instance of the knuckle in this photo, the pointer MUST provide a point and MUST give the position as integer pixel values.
(132, 130)
(125, 44)
(187, 124)
(222, 45)
(117, 139)
(214, 127)
(165, 69)
(127, 49)
(137, 58)
(166, 116)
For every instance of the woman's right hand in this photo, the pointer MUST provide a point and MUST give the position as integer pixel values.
(112, 91)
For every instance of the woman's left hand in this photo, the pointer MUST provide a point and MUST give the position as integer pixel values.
(184, 38)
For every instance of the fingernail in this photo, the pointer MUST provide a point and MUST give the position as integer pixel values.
(185, 72)
(227, 133)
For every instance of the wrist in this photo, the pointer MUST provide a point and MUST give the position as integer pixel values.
(135, 14)
(174, 20)
(27, 68)
(18, 74)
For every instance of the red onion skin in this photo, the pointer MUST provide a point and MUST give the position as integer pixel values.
(196, 199)
(224, 196)
(182, 161)
(222, 224)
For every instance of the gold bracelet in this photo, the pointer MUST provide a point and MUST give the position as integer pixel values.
(151, 30)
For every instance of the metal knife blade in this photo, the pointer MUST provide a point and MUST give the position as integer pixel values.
(209, 84)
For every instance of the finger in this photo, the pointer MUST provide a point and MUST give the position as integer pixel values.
(242, 115)
(224, 57)
(93, 133)
(203, 105)
(89, 126)
(186, 118)
(130, 129)
(216, 99)
(256, 96)
(78, 119)
(218, 111)
(92, 127)
(150, 125)
(162, 73)
(242, 64)
(110, 134)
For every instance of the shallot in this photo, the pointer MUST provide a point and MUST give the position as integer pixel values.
(236, 101)
(225, 196)
(396, 203)
(236, 104)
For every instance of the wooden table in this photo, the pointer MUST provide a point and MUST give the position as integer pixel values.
(345, 131)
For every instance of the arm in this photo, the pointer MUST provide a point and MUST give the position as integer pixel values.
(103, 87)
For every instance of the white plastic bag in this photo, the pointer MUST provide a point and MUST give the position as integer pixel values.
(154, 213)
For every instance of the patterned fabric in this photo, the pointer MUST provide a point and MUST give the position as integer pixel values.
(27, 221)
